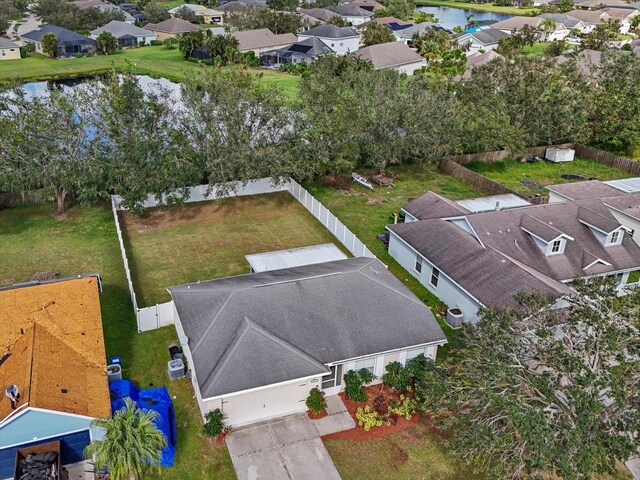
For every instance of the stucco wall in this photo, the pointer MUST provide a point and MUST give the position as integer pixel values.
(447, 290)
(411, 67)
(9, 53)
(340, 46)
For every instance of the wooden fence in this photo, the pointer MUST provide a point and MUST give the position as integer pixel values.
(473, 179)
(614, 161)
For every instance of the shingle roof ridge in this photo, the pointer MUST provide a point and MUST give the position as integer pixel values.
(391, 289)
(214, 319)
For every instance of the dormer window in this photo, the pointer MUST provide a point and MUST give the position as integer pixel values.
(615, 237)
(556, 246)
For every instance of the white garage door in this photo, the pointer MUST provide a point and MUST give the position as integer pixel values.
(265, 404)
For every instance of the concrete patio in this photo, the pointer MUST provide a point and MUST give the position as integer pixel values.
(288, 447)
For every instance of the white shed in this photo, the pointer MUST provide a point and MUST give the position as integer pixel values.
(294, 257)
(558, 155)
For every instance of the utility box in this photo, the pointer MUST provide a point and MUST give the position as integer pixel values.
(175, 368)
(454, 317)
(558, 155)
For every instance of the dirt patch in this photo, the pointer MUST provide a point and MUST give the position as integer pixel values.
(41, 276)
(400, 457)
(373, 201)
(358, 433)
(341, 182)
(68, 215)
(7, 281)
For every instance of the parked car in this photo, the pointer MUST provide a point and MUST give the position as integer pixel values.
(573, 40)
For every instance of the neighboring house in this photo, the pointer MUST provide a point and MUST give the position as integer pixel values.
(477, 59)
(624, 15)
(406, 34)
(341, 40)
(126, 34)
(303, 51)
(170, 28)
(393, 55)
(635, 46)
(9, 50)
(587, 61)
(322, 15)
(391, 22)
(593, 4)
(257, 344)
(69, 43)
(591, 18)
(263, 40)
(568, 21)
(352, 14)
(471, 260)
(105, 7)
(370, 5)
(621, 197)
(52, 351)
(485, 39)
(509, 25)
(231, 7)
(194, 7)
(212, 16)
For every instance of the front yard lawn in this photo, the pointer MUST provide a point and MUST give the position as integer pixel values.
(34, 239)
(511, 172)
(205, 240)
(413, 453)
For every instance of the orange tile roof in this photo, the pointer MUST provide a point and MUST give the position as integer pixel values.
(52, 344)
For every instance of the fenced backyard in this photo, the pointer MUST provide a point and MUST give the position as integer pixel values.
(208, 238)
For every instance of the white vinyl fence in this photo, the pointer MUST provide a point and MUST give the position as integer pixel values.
(329, 220)
(161, 315)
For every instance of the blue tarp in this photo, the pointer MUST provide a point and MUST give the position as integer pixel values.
(156, 399)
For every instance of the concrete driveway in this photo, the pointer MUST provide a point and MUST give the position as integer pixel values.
(285, 448)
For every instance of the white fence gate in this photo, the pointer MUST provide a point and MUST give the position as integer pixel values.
(163, 314)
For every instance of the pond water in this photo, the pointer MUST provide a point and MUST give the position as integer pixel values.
(450, 17)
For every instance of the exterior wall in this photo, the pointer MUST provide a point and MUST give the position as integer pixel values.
(161, 36)
(410, 68)
(213, 19)
(474, 45)
(629, 222)
(447, 291)
(340, 46)
(10, 53)
(39, 424)
(355, 21)
(555, 198)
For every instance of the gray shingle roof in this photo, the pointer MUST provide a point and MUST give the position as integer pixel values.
(583, 190)
(323, 14)
(487, 36)
(431, 205)
(173, 25)
(64, 36)
(5, 43)
(331, 31)
(254, 330)
(628, 204)
(119, 29)
(388, 55)
(351, 11)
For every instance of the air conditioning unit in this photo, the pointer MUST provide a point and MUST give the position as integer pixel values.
(175, 369)
(455, 317)
(114, 372)
(558, 155)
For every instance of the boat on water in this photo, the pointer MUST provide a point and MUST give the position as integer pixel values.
(359, 179)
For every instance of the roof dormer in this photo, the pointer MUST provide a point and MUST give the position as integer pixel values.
(548, 238)
(607, 230)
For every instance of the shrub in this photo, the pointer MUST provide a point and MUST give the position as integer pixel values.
(155, 43)
(214, 423)
(405, 407)
(315, 401)
(397, 376)
(170, 43)
(380, 404)
(354, 383)
(416, 367)
(368, 418)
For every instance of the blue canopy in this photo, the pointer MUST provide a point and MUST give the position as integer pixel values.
(156, 399)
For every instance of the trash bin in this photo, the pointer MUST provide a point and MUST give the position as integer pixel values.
(114, 372)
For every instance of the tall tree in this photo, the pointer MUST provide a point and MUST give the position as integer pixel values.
(107, 43)
(46, 142)
(544, 391)
(187, 14)
(131, 441)
(49, 45)
(256, 17)
(189, 41)
(375, 33)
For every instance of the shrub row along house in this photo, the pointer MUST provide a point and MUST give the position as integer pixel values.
(258, 343)
(472, 260)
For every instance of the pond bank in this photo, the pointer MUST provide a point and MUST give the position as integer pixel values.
(480, 7)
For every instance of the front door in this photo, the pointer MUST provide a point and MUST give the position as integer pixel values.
(332, 382)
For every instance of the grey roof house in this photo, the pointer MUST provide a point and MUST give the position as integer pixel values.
(69, 43)
(353, 14)
(340, 40)
(483, 39)
(393, 55)
(258, 343)
(470, 260)
(126, 34)
(303, 51)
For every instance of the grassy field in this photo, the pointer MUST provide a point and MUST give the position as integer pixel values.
(34, 239)
(366, 213)
(200, 241)
(535, 49)
(480, 7)
(153, 61)
(414, 453)
(510, 172)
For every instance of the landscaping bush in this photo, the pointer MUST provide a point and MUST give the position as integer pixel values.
(397, 376)
(416, 367)
(354, 383)
(214, 423)
(315, 401)
(155, 43)
(368, 418)
(405, 407)
(170, 43)
(381, 404)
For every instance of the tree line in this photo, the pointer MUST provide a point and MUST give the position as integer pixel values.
(109, 136)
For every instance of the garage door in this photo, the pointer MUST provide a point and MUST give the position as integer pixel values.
(71, 447)
(265, 404)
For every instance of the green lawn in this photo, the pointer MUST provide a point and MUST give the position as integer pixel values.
(366, 213)
(153, 61)
(480, 7)
(204, 240)
(414, 453)
(34, 239)
(170, 4)
(535, 49)
(510, 172)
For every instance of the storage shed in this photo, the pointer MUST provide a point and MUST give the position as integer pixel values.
(558, 155)
(294, 257)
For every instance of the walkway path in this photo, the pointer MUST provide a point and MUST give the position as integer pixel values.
(288, 447)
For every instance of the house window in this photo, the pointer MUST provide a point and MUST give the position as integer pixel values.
(415, 352)
(333, 379)
(435, 275)
(368, 364)
(615, 237)
(418, 266)
(556, 246)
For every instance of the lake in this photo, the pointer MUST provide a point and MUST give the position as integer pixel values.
(450, 17)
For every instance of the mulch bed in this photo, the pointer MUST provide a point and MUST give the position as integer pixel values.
(313, 416)
(358, 433)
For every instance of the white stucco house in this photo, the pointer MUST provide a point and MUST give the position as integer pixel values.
(257, 344)
(341, 40)
(558, 32)
(353, 14)
(126, 34)
(470, 260)
(481, 40)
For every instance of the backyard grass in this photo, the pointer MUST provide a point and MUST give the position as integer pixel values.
(155, 61)
(414, 453)
(535, 49)
(204, 240)
(366, 213)
(480, 7)
(34, 239)
(510, 172)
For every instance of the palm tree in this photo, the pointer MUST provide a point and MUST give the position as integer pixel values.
(131, 441)
(547, 26)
